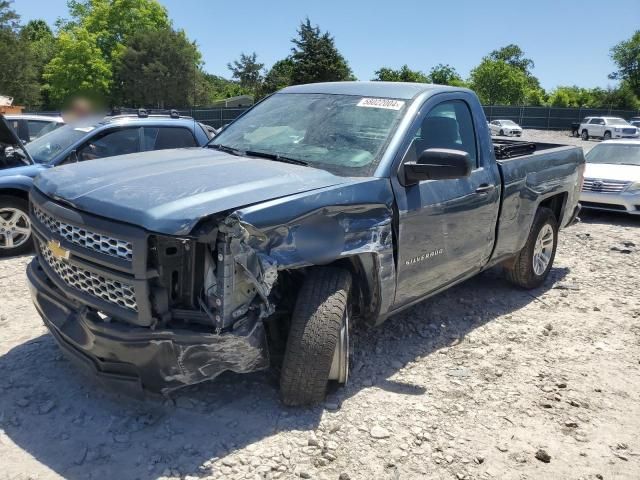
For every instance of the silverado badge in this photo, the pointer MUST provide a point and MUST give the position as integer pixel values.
(424, 257)
(57, 251)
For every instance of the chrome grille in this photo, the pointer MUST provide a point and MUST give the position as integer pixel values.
(86, 238)
(603, 186)
(629, 131)
(109, 290)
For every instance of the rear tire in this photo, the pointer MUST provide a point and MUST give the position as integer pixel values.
(585, 135)
(15, 229)
(321, 311)
(531, 266)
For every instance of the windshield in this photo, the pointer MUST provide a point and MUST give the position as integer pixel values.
(616, 121)
(508, 122)
(343, 134)
(617, 154)
(45, 148)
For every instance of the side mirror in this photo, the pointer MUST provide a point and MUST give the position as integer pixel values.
(438, 164)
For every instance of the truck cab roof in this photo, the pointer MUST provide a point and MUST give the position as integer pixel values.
(405, 91)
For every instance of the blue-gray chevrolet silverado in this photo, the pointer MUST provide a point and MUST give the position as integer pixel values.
(321, 205)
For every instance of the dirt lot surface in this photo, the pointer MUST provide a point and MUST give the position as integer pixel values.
(484, 381)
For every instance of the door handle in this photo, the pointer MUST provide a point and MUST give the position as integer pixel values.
(485, 188)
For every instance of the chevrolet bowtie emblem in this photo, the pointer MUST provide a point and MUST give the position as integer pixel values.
(57, 251)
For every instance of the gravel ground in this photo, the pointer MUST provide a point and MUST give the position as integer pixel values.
(482, 382)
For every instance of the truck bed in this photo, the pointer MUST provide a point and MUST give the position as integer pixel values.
(505, 149)
(548, 170)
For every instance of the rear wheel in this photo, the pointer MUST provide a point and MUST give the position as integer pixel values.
(15, 228)
(531, 266)
(607, 135)
(585, 135)
(318, 343)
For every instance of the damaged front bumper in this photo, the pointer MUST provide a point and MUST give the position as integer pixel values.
(140, 359)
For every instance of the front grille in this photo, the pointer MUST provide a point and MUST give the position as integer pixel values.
(109, 290)
(629, 131)
(603, 186)
(86, 238)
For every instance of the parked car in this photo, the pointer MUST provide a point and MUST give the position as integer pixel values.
(323, 204)
(30, 127)
(635, 123)
(607, 128)
(85, 140)
(507, 128)
(612, 177)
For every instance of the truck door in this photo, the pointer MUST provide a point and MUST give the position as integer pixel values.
(446, 228)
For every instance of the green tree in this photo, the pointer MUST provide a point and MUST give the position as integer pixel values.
(9, 19)
(41, 41)
(623, 97)
(498, 83)
(214, 87)
(315, 57)
(403, 74)
(626, 56)
(247, 71)
(445, 75)
(114, 21)
(278, 76)
(535, 97)
(513, 55)
(77, 68)
(157, 69)
(97, 34)
(18, 73)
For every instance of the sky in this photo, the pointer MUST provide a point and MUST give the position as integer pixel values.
(569, 41)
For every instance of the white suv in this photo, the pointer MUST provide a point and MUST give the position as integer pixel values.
(607, 128)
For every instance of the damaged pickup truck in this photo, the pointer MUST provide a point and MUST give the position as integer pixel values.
(323, 205)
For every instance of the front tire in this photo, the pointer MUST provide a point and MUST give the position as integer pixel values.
(585, 135)
(530, 268)
(316, 338)
(502, 133)
(15, 228)
(607, 136)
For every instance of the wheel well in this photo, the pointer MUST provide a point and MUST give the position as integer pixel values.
(15, 192)
(555, 204)
(365, 295)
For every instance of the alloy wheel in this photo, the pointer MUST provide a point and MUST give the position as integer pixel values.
(543, 249)
(15, 228)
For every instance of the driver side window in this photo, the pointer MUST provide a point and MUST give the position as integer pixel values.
(447, 125)
(118, 142)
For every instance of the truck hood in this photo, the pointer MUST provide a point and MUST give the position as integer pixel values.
(610, 171)
(169, 191)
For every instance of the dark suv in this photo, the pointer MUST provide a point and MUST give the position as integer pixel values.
(87, 139)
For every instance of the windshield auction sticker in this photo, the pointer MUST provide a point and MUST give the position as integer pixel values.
(387, 103)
